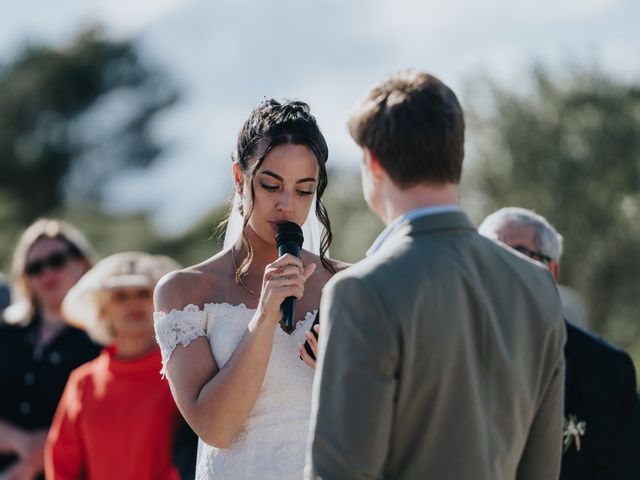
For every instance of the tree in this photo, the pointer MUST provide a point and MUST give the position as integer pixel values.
(72, 117)
(570, 150)
(353, 224)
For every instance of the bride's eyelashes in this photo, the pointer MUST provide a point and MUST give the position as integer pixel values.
(273, 188)
(270, 188)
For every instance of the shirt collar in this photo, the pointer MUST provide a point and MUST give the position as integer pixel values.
(394, 226)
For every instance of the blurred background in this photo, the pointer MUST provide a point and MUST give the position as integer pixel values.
(121, 116)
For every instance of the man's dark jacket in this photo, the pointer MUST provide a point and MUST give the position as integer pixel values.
(600, 390)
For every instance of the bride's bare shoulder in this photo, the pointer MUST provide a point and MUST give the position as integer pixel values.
(323, 272)
(191, 285)
(339, 265)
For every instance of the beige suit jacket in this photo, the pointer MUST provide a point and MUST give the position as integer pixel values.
(441, 358)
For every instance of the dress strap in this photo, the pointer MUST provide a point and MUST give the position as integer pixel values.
(178, 327)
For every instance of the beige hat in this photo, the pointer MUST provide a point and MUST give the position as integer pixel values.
(81, 306)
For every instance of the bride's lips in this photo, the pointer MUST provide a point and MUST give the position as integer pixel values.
(274, 224)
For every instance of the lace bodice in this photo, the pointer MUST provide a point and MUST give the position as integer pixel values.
(271, 444)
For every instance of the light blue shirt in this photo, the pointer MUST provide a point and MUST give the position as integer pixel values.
(394, 226)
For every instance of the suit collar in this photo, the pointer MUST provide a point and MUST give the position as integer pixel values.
(441, 221)
(409, 216)
(448, 220)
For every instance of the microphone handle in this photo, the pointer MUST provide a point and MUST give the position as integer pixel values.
(288, 306)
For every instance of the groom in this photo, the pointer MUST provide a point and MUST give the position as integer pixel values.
(441, 353)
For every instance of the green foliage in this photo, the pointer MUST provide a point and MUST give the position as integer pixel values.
(353, 225)
(10, 229)
(110, 234)
(106, 233)
(70, 119)
(199, 243)
(570, 150)
(84, 109)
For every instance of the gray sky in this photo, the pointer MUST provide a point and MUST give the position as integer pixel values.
(226, 56)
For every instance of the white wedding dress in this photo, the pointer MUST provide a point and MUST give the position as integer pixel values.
(272, 442)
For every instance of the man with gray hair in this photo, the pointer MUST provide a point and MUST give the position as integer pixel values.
(519, 227)
(601, 433)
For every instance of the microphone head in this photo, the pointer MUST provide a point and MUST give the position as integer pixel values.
(289, 232)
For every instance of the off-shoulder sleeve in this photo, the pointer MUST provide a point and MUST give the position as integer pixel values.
(178, 327)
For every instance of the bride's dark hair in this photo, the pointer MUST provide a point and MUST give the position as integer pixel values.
(271, 124)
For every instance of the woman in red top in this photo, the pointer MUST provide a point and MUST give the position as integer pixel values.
(116, 418)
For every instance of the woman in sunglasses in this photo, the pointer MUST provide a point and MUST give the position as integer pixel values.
(37, 349)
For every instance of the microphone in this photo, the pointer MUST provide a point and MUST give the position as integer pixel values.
(289, 239)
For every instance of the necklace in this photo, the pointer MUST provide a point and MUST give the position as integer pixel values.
(244, 285)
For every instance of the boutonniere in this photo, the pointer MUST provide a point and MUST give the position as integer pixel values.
(572, 430)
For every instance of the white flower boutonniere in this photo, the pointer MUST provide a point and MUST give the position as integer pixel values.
(572, 430)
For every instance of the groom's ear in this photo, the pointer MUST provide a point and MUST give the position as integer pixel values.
(373, 164)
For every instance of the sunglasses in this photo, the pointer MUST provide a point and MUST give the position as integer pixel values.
(55, 261)
(540, 257)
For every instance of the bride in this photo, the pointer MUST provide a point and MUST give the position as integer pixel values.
(235, 374)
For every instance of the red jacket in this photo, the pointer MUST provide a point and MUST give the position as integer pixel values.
(116, 419)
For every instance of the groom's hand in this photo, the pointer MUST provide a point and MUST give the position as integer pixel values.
(313, 343)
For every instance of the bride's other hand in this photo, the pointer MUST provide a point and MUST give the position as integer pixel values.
(313, 343)
(283, 278)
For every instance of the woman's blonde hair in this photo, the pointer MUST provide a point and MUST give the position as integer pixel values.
(23, 302)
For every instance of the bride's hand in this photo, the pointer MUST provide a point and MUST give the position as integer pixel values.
(313, 343)
(283, 278)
